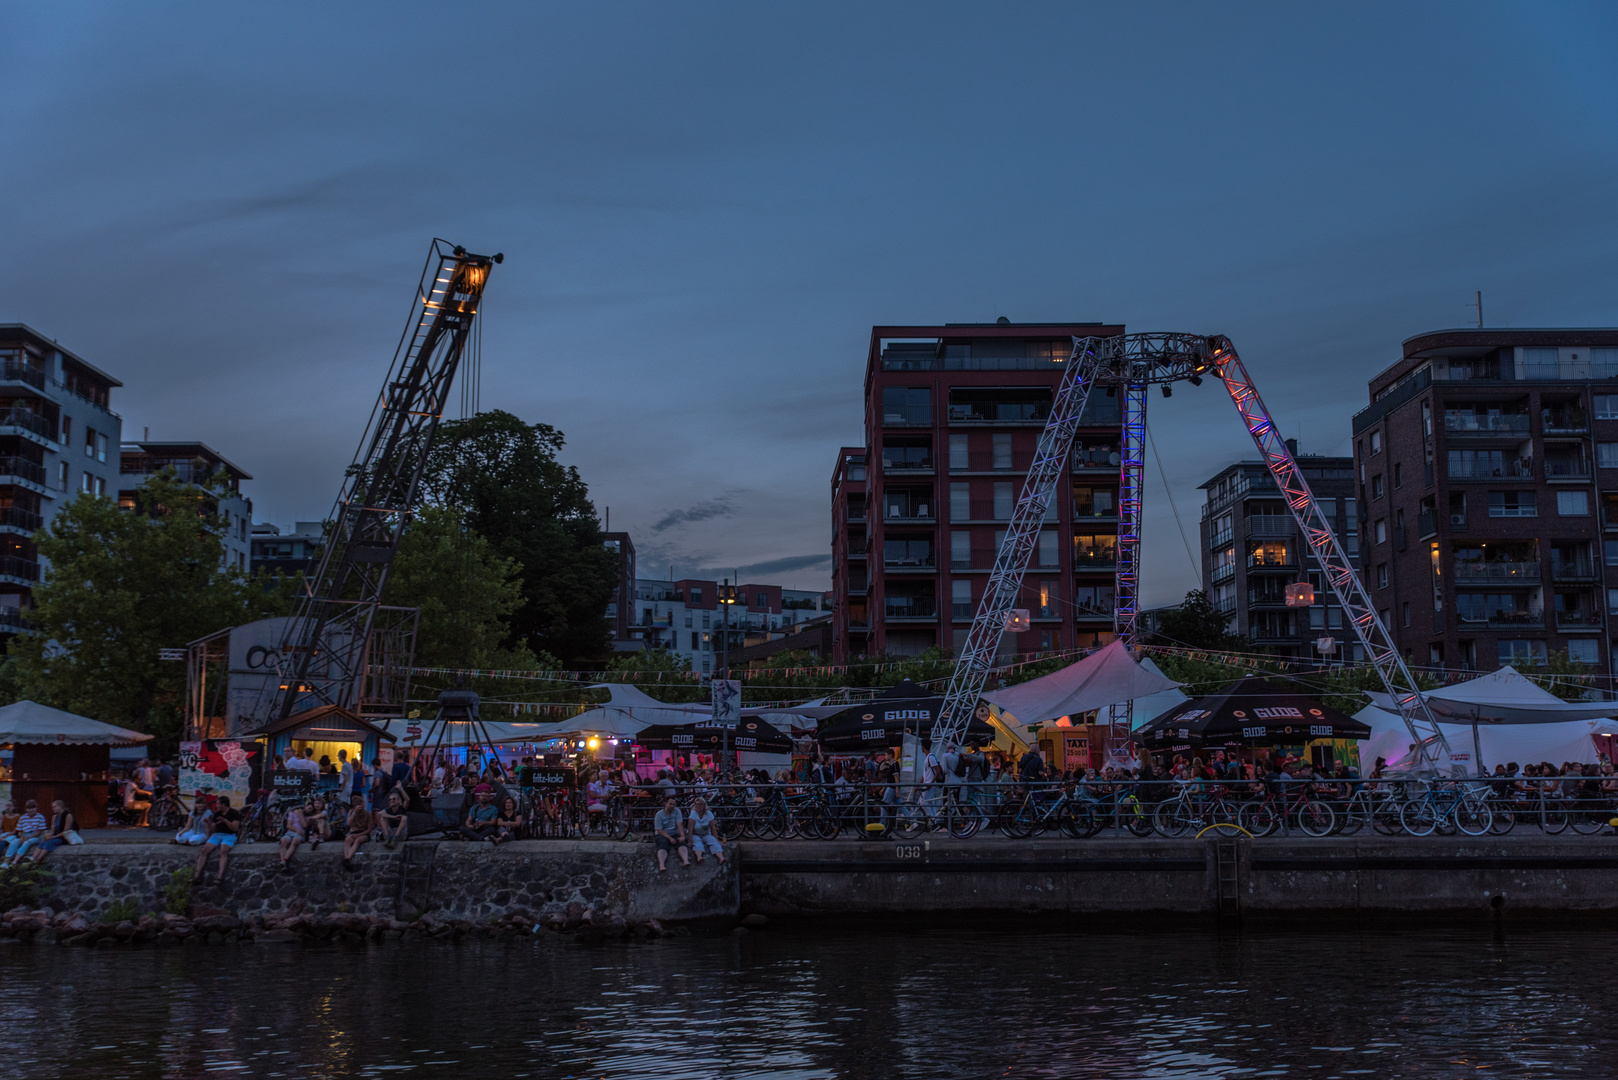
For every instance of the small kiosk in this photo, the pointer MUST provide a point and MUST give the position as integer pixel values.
(58, 755)
(323, 731)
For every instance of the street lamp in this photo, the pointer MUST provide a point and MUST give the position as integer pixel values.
(727, 599)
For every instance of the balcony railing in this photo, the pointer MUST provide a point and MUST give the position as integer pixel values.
(15, 371)
(1508, 619)
(1222, 572)
(1219, 540)
(1095, 457)
(915, 563)
(1558, 422)
(962, 611)
(29, 421)
(1576, 571)
(1496, 571)
(16, 466)
(1426, 524)
(1083, 610)
(1486, 470)
(12, 566)
(1270, 525)
(1474, 424)
(1271, 562)
(1578, 620)
(907, 513)
(918, 608)
(1566, 470)
(1098, 560)
(18, 518)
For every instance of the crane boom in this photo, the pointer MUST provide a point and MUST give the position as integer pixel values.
(1133, 362)
(324, 649)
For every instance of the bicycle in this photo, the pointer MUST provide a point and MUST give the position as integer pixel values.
(265, 820)
(1282, 809)
(1187, 810)
(1446, 806)
(167, 811)
(1065, 812)
(1376, 807)
(1120, 809)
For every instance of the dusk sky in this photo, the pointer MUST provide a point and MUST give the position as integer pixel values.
(704, 208)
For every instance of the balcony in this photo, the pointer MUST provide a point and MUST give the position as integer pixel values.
(913, 609)
(1270, 525)
(1225, 605)
(900, 512)
(1489, 572)
(1265, 599)
(1504, 620)
(1476, 424)
(1272, 562)
(1564, 421)
(1578, 620)
(1096, 457)
(907, 463)
(28, 421)
(1091, 612)
(1095, 560)
(15, 517)
(12, 620)
(901, 565)
(15, 371)
(1219, 540)
(1567, 470)
(1573, 571)
(17, 569)
(1427, 524)
(1514, 469)
(23, 468)
(1221, 573)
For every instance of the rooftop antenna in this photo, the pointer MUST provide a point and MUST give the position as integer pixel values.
(1478, 304)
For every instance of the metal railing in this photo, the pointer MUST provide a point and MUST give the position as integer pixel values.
(1473, 423)
(28, 420)
(1496, 571)
(16, 371)
(28, 470)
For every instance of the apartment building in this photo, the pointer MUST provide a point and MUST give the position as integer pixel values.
(1252, 550)
(58, 439)
(621, 608)
(952, 417)
(292, 553)
(687, 618)
(1487, 471)
(194, 463)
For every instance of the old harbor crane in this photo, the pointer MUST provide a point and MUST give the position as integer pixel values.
(1132, 363)
(325, 649)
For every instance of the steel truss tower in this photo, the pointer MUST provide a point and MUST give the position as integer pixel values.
(1134, 362)
(325, 652)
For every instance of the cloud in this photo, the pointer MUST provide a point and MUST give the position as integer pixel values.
(723, 506)
(788, 564)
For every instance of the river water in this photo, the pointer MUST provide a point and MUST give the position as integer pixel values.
(809, 1001)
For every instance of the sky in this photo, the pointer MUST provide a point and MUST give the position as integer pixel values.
(705, 208)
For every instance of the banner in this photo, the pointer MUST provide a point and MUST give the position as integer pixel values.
(217, 766)
(727, 702)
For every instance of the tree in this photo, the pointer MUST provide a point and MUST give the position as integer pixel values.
(1559, 673)
(466, 594)
(501, 473)
(1195, 624)
(665, 675)
(124, 584)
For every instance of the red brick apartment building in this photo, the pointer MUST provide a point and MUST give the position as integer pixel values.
(952, 417)
(1487, 468)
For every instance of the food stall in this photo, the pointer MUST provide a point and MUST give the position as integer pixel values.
(60, 755)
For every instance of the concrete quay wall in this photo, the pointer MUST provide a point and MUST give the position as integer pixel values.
(1274, 878)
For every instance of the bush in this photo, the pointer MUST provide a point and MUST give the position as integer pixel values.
(24, 885)
(125, 910)
(177, 893)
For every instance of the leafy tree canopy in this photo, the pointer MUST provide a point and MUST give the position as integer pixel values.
(1196, 624)
(122, 585)
(502, 475)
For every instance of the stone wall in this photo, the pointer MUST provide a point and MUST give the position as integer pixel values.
(448, 879)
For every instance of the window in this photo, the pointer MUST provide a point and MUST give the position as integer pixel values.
(1612, 552)
(1328, 508)
(959, 458)
(960, 549)
(1002, 450)
(1539, 364)
(67, 430)
(1606, 406)
(88, 485)
(705, 665)
(1607, 455)
(1426, 418)
(64, 475)
(1404, 613)
(1093, 599)
(1520, 650)
(902, 552)
(1507, 504)
(1048, 549)
(688, 626)
(907, 405)
(1573, 503)
(1317, 618)
(1376, 443)
(89, 442)
(705, 623)
(1098, 502)
(960, 598)
(1583, 651)
(1382, 575)
(1049, 605)
(1381, 530)
(101, 485)
(763, 600)
(1376, 486)
(1612, 601)
(1004, 500)
(1013, 405)
(960, 501)
(907, 452)
(101, 447)
(694, 642)
(707, 643)
(1398, 475)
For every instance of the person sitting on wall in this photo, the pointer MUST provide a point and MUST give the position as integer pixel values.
(318, 821)
(63, 830)
(359, 829)
(297, 831)
(31, 829)
(481, 816)
(197, 826)
(394, 821)
(226, 823)
(508, 821)
(669, 832)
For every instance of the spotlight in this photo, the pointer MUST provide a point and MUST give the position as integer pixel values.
(1195, 380)
(1168, 391)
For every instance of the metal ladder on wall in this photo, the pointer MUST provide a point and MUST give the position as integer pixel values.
(1227, 870)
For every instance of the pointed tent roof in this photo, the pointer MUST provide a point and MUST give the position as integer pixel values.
(30, 723)
(1103, 678)
(1502, 697)
(1556, 742)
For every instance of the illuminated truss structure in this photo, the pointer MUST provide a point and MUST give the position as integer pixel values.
(1133, 363)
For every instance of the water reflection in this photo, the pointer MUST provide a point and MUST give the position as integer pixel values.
(808, 1003)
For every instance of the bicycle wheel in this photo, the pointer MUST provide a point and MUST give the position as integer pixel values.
(1501, 818)
(1316, 818)
(1077, 821)
(1136, 819)
(1172, 818)
(617, 821)
(1259, 818)
(767, 822)
(732, 824)
(1418, 818)
(819, 822)
(1355, 816)
(1553, 817)
(1473, 816)
(911, 821)
(1587, 818)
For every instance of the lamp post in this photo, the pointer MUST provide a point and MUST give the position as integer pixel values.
(727, 599)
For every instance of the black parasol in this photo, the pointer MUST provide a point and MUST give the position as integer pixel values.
(1249, 710)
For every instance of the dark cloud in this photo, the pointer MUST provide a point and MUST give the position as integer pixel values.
(722, 507)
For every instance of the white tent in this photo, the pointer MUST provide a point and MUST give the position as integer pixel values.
(1567, 740)
(1103, 678)
(1502, 697)
(30, 723)
(499, 732)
